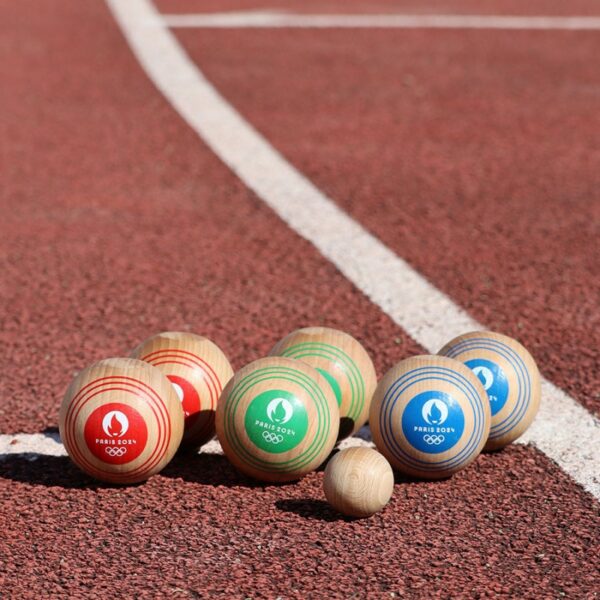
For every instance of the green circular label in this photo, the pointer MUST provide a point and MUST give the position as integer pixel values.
(276, 421)
(335, 386)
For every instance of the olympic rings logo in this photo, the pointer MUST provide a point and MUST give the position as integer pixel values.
(435, 440)
(273, 438)
(115, 450)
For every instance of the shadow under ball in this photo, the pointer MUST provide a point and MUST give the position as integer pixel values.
(121, 420)
(510, 377)
(343, 362)
(358, 482)
(198, 370)
(430, 416)
(277, 419)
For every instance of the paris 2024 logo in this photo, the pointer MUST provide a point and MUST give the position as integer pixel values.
(433, 422)
(276, 421)
(494, 381)
(116, 433)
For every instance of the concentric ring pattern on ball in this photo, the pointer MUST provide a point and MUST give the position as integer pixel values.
(277, 419)
(121, 420)
(510, 377)
(345, 364)
(198, 370)
(430, 416)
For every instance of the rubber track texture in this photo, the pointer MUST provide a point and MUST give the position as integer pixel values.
(507, 224)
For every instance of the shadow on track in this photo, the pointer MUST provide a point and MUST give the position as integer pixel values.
(48, 471)
(212, 469)
(60, 471)
(207, 469)
(309, 508)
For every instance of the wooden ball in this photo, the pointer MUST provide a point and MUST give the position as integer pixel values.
(508, 374)
(277, 419)
(430, 416)
(358, 482)
(198, 370)
(345, 365)
(121, 420)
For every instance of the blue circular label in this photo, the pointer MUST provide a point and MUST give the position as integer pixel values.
(433, 422)
(494, 381)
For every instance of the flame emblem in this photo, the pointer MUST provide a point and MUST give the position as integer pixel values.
(115, 424)
(434, 412)
(280, 410)
(485, 376)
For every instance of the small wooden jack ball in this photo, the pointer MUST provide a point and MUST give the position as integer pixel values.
(277, 419)
(343, 362)
(510, 378)
(121, 420)
(358, 482)
(430, 416)
(198, 370)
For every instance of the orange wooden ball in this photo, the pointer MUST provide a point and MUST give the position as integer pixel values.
(343, 362)
(277, 419)
(121, 420)
(358, 482)
(430, 416)
(508, 374)
(198, 370)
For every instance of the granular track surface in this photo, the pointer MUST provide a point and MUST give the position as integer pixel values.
(118, 222)
(512, 525)
(458, 150)
(129, 226)
(497, 7)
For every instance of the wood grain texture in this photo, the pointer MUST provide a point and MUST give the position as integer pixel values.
(344, 362)
(198, 369)
(277, 419)
(121, 420)
(511, 379)
(430, 416)
(358, 482)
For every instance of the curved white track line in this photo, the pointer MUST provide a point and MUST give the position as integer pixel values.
(33, 444)
(563, 430)
(266, 19)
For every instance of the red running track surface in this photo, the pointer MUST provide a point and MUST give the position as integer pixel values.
(118, 222)
(512, 525)
(472, 154)
(446, 7)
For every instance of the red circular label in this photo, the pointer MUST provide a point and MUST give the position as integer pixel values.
(190, 400)
(116, 433)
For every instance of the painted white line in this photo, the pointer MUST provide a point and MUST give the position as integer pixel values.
(36, 444)
(391, 21)
(564, 430)
(361, 438)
